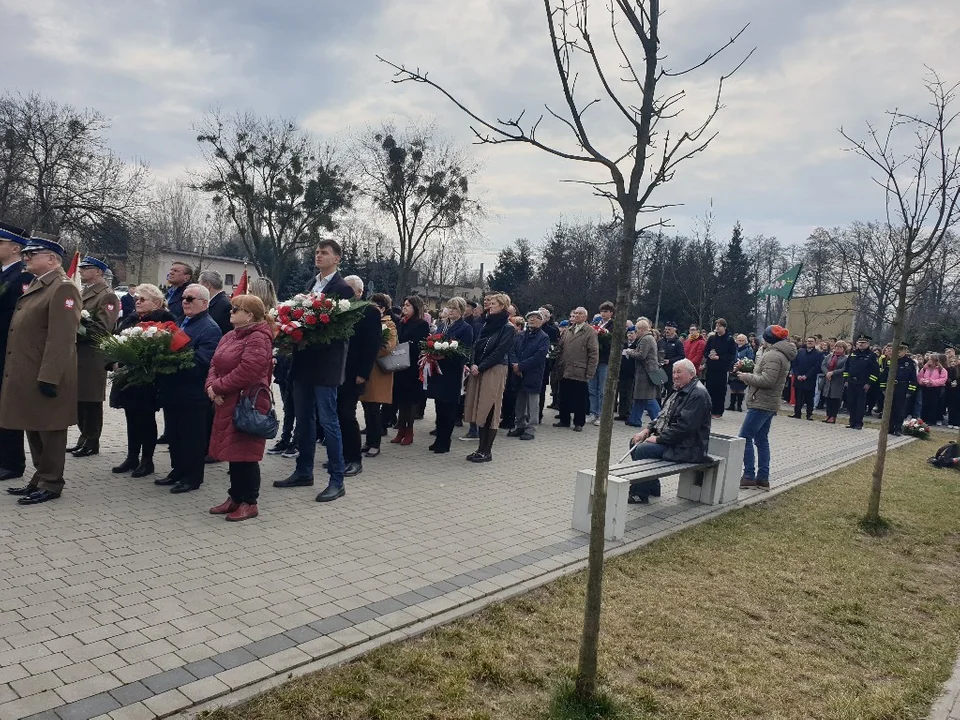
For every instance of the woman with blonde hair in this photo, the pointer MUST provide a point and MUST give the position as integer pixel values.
(240, 366)
(140, 402)
(488, 374)
(263, 288)
(445, 388)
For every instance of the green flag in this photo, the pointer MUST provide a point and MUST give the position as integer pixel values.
(783, 285)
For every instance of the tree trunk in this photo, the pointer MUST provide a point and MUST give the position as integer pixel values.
(873, 507)
(590, 640)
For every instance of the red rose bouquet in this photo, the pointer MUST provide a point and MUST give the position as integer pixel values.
(310, 319)
(145, 351)
(434, 349)
(603, 337)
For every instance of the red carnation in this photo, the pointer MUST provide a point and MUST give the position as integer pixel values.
(297, 335)
(298, 313)
(324, 318)
(310, 319)
(288, 329)
(430, 343)
(328, 304)
(317, 303)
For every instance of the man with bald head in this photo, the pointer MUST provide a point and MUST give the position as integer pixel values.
(579, 357)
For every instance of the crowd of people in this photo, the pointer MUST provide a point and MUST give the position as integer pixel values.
(54, 377)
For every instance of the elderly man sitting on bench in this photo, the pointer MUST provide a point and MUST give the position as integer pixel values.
(680, 434)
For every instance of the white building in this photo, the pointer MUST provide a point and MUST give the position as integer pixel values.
(156, 266)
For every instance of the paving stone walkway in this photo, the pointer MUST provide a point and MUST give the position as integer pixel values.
(121, 600)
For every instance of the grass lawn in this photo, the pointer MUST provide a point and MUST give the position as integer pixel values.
(780, 610)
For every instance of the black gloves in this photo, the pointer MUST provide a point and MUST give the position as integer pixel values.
(47, 389)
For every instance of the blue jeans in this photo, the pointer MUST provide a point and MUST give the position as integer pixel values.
(647, 451)
(306, 398)
(652, 407)
(756, 431)
(595, 386)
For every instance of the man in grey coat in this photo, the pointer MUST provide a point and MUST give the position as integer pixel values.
(680, 434)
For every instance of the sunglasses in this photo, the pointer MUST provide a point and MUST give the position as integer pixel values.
(189, 298)
(235, 309)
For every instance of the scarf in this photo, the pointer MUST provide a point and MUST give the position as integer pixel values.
(834, 359)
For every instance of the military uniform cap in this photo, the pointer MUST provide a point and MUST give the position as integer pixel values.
(12, 233)
(94, 262)
(863, 337)
(42, 241)
(671, 323)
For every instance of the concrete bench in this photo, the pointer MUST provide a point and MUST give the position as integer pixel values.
(712, 482)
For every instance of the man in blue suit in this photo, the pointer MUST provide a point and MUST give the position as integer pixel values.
(13, 281)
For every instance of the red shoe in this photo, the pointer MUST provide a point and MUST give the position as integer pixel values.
(408, 437)
(401, 433)
(227, 506)
(244, 512)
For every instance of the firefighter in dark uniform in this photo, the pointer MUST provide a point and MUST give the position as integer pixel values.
(886, 358)
(14, 279)
(101, 308)
(904, 390)
(859, 374)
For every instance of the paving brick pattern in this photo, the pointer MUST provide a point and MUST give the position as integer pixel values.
(121, 600)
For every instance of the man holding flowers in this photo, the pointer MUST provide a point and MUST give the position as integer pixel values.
(317, 370)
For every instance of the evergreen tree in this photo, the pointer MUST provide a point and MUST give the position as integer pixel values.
(514, 272)
(735, 298)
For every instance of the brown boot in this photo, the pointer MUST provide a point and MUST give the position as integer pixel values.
(244, 512)
(227, 506)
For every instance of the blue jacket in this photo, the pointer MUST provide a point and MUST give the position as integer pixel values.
(807, 363)
(446, 387)
(529, 351)
(186, 386)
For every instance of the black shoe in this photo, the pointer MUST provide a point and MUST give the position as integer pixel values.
(352, 469)
(143, 469)
(472, 455)
(210, 460)
(10, 474)
(561, 425)
(76, 447)
(432, 447)
(162, 440)
(795, 417)
(85, 451)
(37, 497)
(441, 450)
(526, 436)
(637, 500)
(372, 452)
(278, 448)
(183, 487)
(170, 479)
(578, 428)
(763, 484)
(479, 457)
(516, 432)
(24, 490)
(331, 493)
(127, 465)
(294, 481)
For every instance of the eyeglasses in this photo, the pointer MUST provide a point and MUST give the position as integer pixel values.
(235, 309)
(189, 298)
(140, 299)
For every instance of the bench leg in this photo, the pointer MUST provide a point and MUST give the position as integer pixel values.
(583, 501)
(690, 486)
(618, 495)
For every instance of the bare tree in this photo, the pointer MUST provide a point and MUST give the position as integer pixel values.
(422, 183)
(59, 175)
(632, 88)
(278, 185)
(446, 262)
(922, 198)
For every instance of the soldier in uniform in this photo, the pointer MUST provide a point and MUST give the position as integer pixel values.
(14, 280)
(40, 376)
(859, 374)
(904, 390)
(102, 307)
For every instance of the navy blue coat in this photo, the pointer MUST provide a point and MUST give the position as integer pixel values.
(175, 302)
(323, 364)
(807, 362)
(186, 386)
(446, 387)
(530, 353)
(12, 284)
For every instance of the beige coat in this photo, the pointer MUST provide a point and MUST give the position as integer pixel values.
(379, 386)
(42, 347)
(579, 353)
(485, 396)
(104, 308)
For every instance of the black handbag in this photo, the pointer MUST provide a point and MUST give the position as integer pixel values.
(396, 361)
(247, 419)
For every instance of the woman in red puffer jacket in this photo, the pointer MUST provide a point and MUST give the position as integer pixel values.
(243, 362)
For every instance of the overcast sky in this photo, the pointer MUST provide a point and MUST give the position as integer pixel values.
(778, 166)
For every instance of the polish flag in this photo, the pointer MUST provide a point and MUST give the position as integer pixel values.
(241, 288)
(72, 270)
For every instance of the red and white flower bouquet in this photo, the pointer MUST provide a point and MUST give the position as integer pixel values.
(146, 350)
(434, 349)
(310, 319)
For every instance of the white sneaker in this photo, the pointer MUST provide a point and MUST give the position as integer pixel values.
(591, 418)
(597, 422)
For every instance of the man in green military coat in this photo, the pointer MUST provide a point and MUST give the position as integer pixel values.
(39, 391)
(98, 318)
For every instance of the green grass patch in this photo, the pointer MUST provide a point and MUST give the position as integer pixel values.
(782, 610)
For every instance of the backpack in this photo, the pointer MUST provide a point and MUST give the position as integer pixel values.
(947, 456)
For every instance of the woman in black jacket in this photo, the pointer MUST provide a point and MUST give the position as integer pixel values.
(407, 386)
(140, 402)
(488, 374)
(446, 387)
